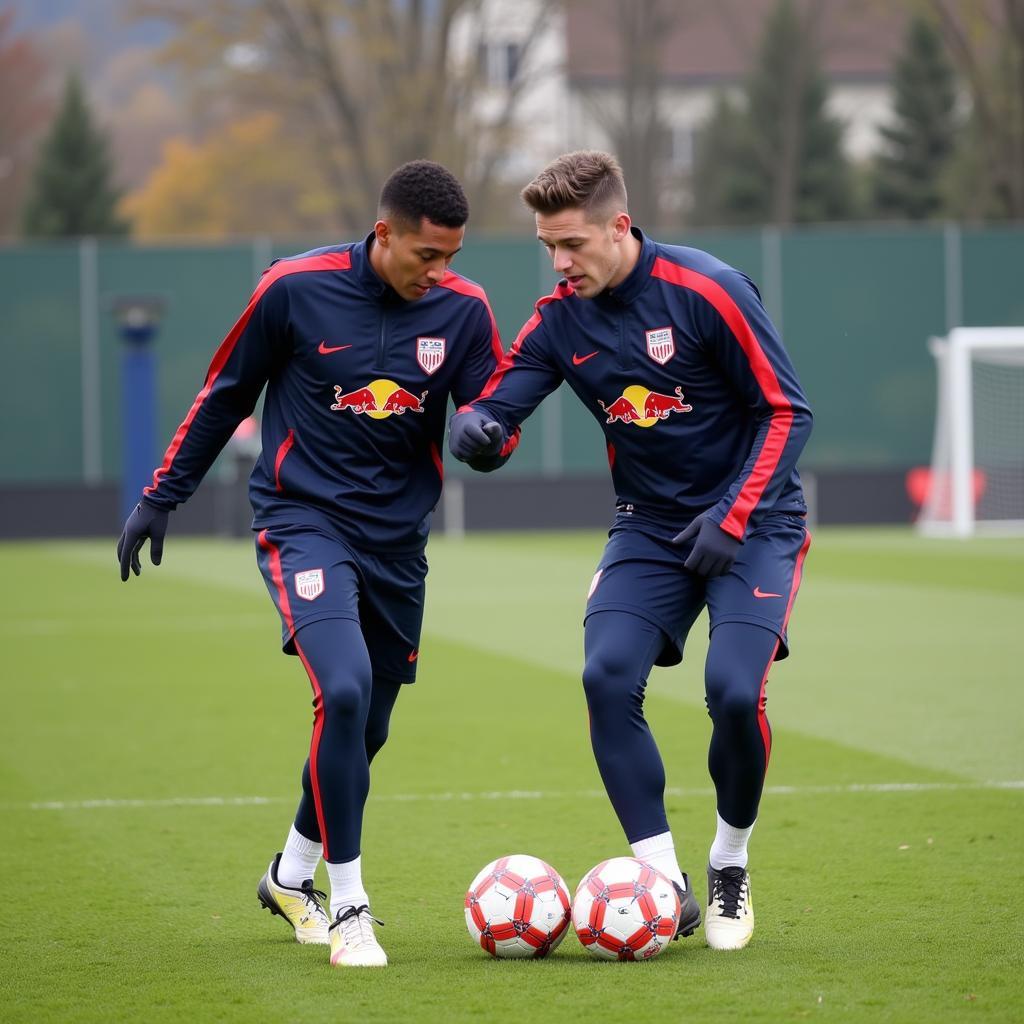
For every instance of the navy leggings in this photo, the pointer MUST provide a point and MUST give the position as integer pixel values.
(351, 712)
(620, 649)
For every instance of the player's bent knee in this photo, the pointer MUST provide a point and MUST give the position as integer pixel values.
(731, 692)
(345, 698)
(609, 681)
(733, 703)
(737, 658)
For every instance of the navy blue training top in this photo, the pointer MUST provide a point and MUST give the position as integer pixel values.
(357, 383)
(682, 368)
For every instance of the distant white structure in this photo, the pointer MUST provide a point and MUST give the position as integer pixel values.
(521, 46)
(573, 66)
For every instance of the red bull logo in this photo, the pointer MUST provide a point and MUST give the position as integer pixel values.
(644, 408)
(379, 399)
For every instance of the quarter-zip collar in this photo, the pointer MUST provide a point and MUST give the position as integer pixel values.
(630, 289)
(374, 285)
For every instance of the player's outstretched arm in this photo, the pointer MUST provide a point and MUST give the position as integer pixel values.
(145, 521)
(237, 374)
(477, 439)
(714, 550)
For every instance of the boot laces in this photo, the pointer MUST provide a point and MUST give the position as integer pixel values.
(356, 924)
(730, 890)
(314, 898)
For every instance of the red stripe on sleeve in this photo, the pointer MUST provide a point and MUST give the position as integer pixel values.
(453, 282)
(327, 261)
(511, 443)
(735, 522)
(562, 291)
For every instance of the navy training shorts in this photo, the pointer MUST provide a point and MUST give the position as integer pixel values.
(644, 575)
(313, 575)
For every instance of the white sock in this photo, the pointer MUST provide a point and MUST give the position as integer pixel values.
(730, 846)
(660, 852)
(299, 859)
(346, 885)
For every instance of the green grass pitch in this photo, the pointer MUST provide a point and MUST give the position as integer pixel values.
(152, 737)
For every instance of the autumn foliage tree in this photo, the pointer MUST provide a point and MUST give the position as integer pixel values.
(24, 112)
(243, 180)
(360, 86)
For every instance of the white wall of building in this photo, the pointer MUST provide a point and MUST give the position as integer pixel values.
(505, 27)
(862, 108)
(553, 117)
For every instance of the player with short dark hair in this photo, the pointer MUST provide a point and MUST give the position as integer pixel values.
(359, 346)
(416, 190)
(673, 354)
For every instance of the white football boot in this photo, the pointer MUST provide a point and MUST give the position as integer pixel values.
(302, 908)
(729, 922)
(353, 943)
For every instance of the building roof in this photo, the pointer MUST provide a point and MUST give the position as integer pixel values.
(717, 40)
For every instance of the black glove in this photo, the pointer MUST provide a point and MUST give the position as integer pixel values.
(473, 435)
(145, 521)
(714, 550)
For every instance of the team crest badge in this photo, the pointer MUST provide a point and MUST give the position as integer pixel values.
(661, 347)
(430, 353)
(309, 585)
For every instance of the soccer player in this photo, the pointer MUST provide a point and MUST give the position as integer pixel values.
(359, 346)
(673, 354)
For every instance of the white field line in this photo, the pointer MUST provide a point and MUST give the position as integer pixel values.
(513, 794)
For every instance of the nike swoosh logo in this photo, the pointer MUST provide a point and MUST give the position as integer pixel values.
(580, 360)
(412, 657)
(758, 592)
(326, 350)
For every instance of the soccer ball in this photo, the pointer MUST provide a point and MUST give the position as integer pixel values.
(517, 907)
(625, 910)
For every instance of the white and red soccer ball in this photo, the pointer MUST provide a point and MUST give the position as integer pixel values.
(518, 907)
(625, 910)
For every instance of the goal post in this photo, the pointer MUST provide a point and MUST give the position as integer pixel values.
(976, 479)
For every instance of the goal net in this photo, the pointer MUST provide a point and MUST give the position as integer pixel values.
(976, 481)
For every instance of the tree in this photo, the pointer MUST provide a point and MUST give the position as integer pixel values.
(24, 113)
(635, 123)
(367, 84)
(71, 191)
(986, 40)
(909, 173)
(245, 179)
(727, 184)
(778, 157)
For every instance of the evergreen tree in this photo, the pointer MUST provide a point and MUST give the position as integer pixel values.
(986, 44)
(779, 160)
(909, 173)
(726, 185)
(71, 191)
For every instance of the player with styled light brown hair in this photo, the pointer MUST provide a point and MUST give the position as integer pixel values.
(673, 354)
